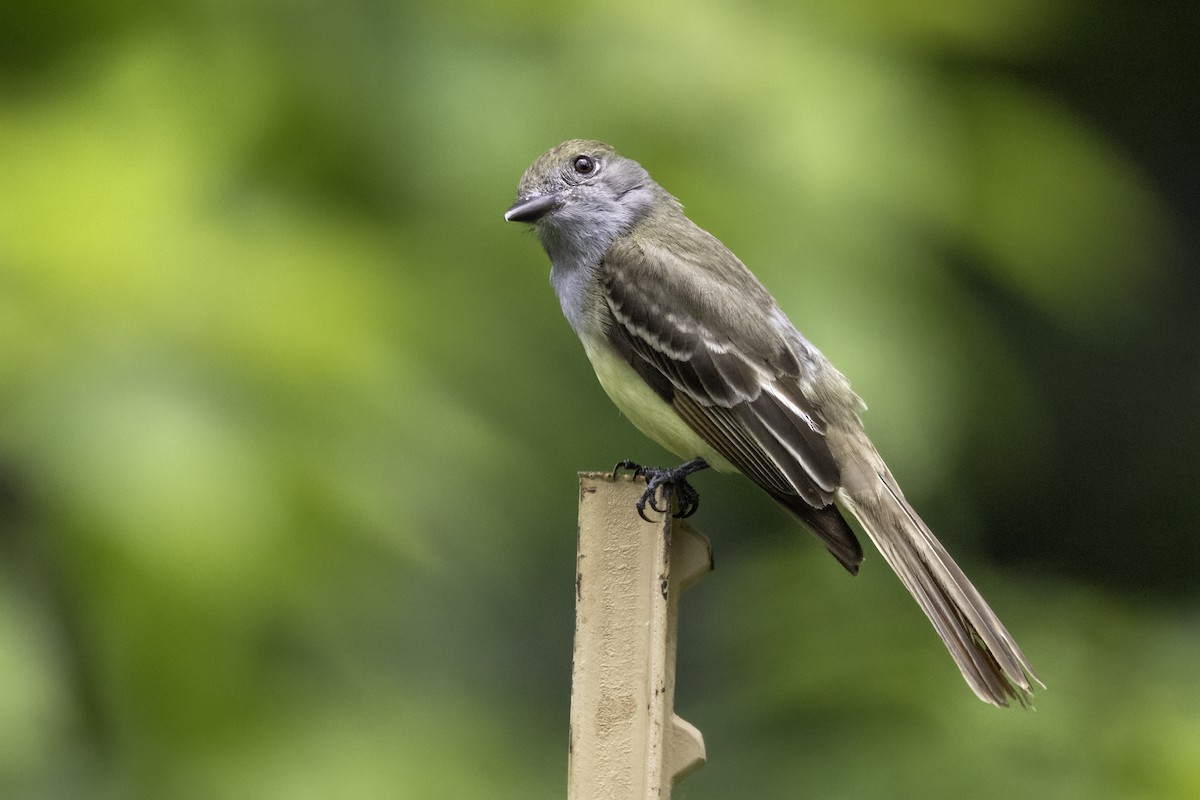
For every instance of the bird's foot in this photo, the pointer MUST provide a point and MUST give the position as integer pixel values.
(673, 480)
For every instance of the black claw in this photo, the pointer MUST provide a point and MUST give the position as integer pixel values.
(673, 482)
(640, 505)
(637, 468)
(689, 500)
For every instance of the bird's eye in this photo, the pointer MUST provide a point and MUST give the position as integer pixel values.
(584, 165)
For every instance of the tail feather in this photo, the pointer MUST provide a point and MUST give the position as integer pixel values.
(990, 661)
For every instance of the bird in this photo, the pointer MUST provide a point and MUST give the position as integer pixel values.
(700, 357)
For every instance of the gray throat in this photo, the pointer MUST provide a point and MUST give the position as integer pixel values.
(576, 256)
(577, 240)
(578, 294)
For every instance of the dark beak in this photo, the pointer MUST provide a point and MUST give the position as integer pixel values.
(531, 209)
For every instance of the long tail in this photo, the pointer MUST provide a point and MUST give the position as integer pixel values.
(990, 661)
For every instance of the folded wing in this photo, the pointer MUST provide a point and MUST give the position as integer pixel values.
(729, 372)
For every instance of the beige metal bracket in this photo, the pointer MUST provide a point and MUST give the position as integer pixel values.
(626, 741)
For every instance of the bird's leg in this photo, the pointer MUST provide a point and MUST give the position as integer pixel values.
(672, 479)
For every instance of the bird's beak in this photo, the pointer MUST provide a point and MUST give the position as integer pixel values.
(532, 208)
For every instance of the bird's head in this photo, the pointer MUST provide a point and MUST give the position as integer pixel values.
(583, 190)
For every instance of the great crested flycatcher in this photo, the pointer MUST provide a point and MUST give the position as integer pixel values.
(699, 356)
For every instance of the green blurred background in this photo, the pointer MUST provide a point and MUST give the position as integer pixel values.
(290, 419)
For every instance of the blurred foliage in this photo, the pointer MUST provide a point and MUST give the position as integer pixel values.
(289, 418)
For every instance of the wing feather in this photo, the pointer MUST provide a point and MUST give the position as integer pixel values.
(739, 390)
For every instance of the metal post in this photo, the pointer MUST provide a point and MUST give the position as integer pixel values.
(626, 741)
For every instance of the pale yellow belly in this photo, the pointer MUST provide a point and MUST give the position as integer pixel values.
(649, 412)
